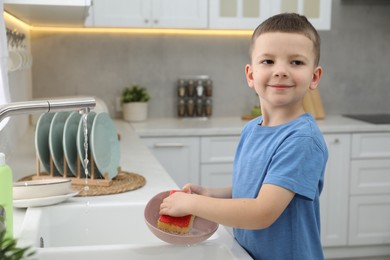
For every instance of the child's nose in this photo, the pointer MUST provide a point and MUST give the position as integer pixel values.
(280, 71)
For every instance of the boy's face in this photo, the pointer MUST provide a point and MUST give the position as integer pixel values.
(282, 69)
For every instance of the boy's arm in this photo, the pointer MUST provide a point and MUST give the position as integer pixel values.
(210, 192)
(257, 213)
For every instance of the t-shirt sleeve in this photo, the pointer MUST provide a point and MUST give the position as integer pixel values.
(297, 165)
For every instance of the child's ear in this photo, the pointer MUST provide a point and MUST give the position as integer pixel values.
(249, 75)
(316, 78)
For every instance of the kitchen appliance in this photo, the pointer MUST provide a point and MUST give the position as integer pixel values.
(371, 118)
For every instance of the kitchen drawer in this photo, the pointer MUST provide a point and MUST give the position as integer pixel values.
(369, 220)
(218, 149)
(216, 175)
(374, 145)
(370, 176)
(178, 155)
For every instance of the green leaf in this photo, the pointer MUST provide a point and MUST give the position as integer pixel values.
(10, 251)
(135, 93)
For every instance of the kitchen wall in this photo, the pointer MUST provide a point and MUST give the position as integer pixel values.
(20, 89)
(355, 58)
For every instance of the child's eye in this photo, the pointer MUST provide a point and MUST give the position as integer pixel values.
(266, 62)
(297, 62)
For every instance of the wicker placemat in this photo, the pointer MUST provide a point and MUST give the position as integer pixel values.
(124, 181)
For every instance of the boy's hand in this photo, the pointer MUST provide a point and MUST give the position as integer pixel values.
(194, 188)
(175, 205)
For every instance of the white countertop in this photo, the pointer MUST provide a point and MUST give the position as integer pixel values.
(233, 126)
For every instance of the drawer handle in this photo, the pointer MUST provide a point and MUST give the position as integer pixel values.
(168, 145)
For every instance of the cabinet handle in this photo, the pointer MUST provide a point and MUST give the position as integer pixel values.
(168, 145)
(155, 21)
(146, 21)
(336, 141)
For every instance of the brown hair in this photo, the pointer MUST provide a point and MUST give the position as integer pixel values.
(289, 23)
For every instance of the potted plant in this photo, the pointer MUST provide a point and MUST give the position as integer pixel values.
(135, 103)
(9, 250)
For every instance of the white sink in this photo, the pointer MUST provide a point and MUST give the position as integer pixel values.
(111, 231)
(91, 225)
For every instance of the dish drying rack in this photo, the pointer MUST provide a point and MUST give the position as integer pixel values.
(123, 182)
(78, 179)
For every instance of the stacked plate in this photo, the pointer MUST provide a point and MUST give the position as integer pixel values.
(43, 192)
(61, 135)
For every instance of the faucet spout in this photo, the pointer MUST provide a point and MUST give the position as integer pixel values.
(27, 107)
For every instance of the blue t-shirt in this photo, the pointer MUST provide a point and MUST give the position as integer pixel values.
(292, 156)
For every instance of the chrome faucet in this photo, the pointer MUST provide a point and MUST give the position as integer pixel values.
(17, 108)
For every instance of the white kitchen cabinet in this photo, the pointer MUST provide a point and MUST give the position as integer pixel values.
(149, 13)
(370, 176)
(217, 156)
(248, 14)
(49, 12)
(335, 194)
(216, 175)
(369, 207)
(218, 149)
(178, 155)
(369, 220)
(239, 14)
(371, 145)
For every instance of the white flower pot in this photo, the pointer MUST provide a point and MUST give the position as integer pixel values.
(135, 111)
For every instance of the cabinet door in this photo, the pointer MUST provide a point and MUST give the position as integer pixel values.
(216, 175)
(371, 145)
(317, 11)
(179, 157)
(218, 149)
(179, 13)
(121, 13)
(369, 176)
(150, 13)
(248, 14)
(370, 217)
(334, 197)
(239, 14)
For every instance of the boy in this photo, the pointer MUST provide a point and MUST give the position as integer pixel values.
(279, 166)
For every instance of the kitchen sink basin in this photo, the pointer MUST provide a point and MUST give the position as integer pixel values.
(110, 231)
(86, 224)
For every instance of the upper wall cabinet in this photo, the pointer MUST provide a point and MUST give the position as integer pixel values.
(248, 14)
(149, 13)
(49, 12)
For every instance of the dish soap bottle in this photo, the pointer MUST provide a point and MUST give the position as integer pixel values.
(6, 197)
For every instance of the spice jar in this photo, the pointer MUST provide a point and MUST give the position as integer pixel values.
(181, 108)
(190, 107)
(199, 89)
(181, 88)
(191, 88)
(209, 88)
(208, 107)
(199, 107)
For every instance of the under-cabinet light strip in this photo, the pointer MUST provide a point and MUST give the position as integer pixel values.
(10, 18)
(127, 30)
